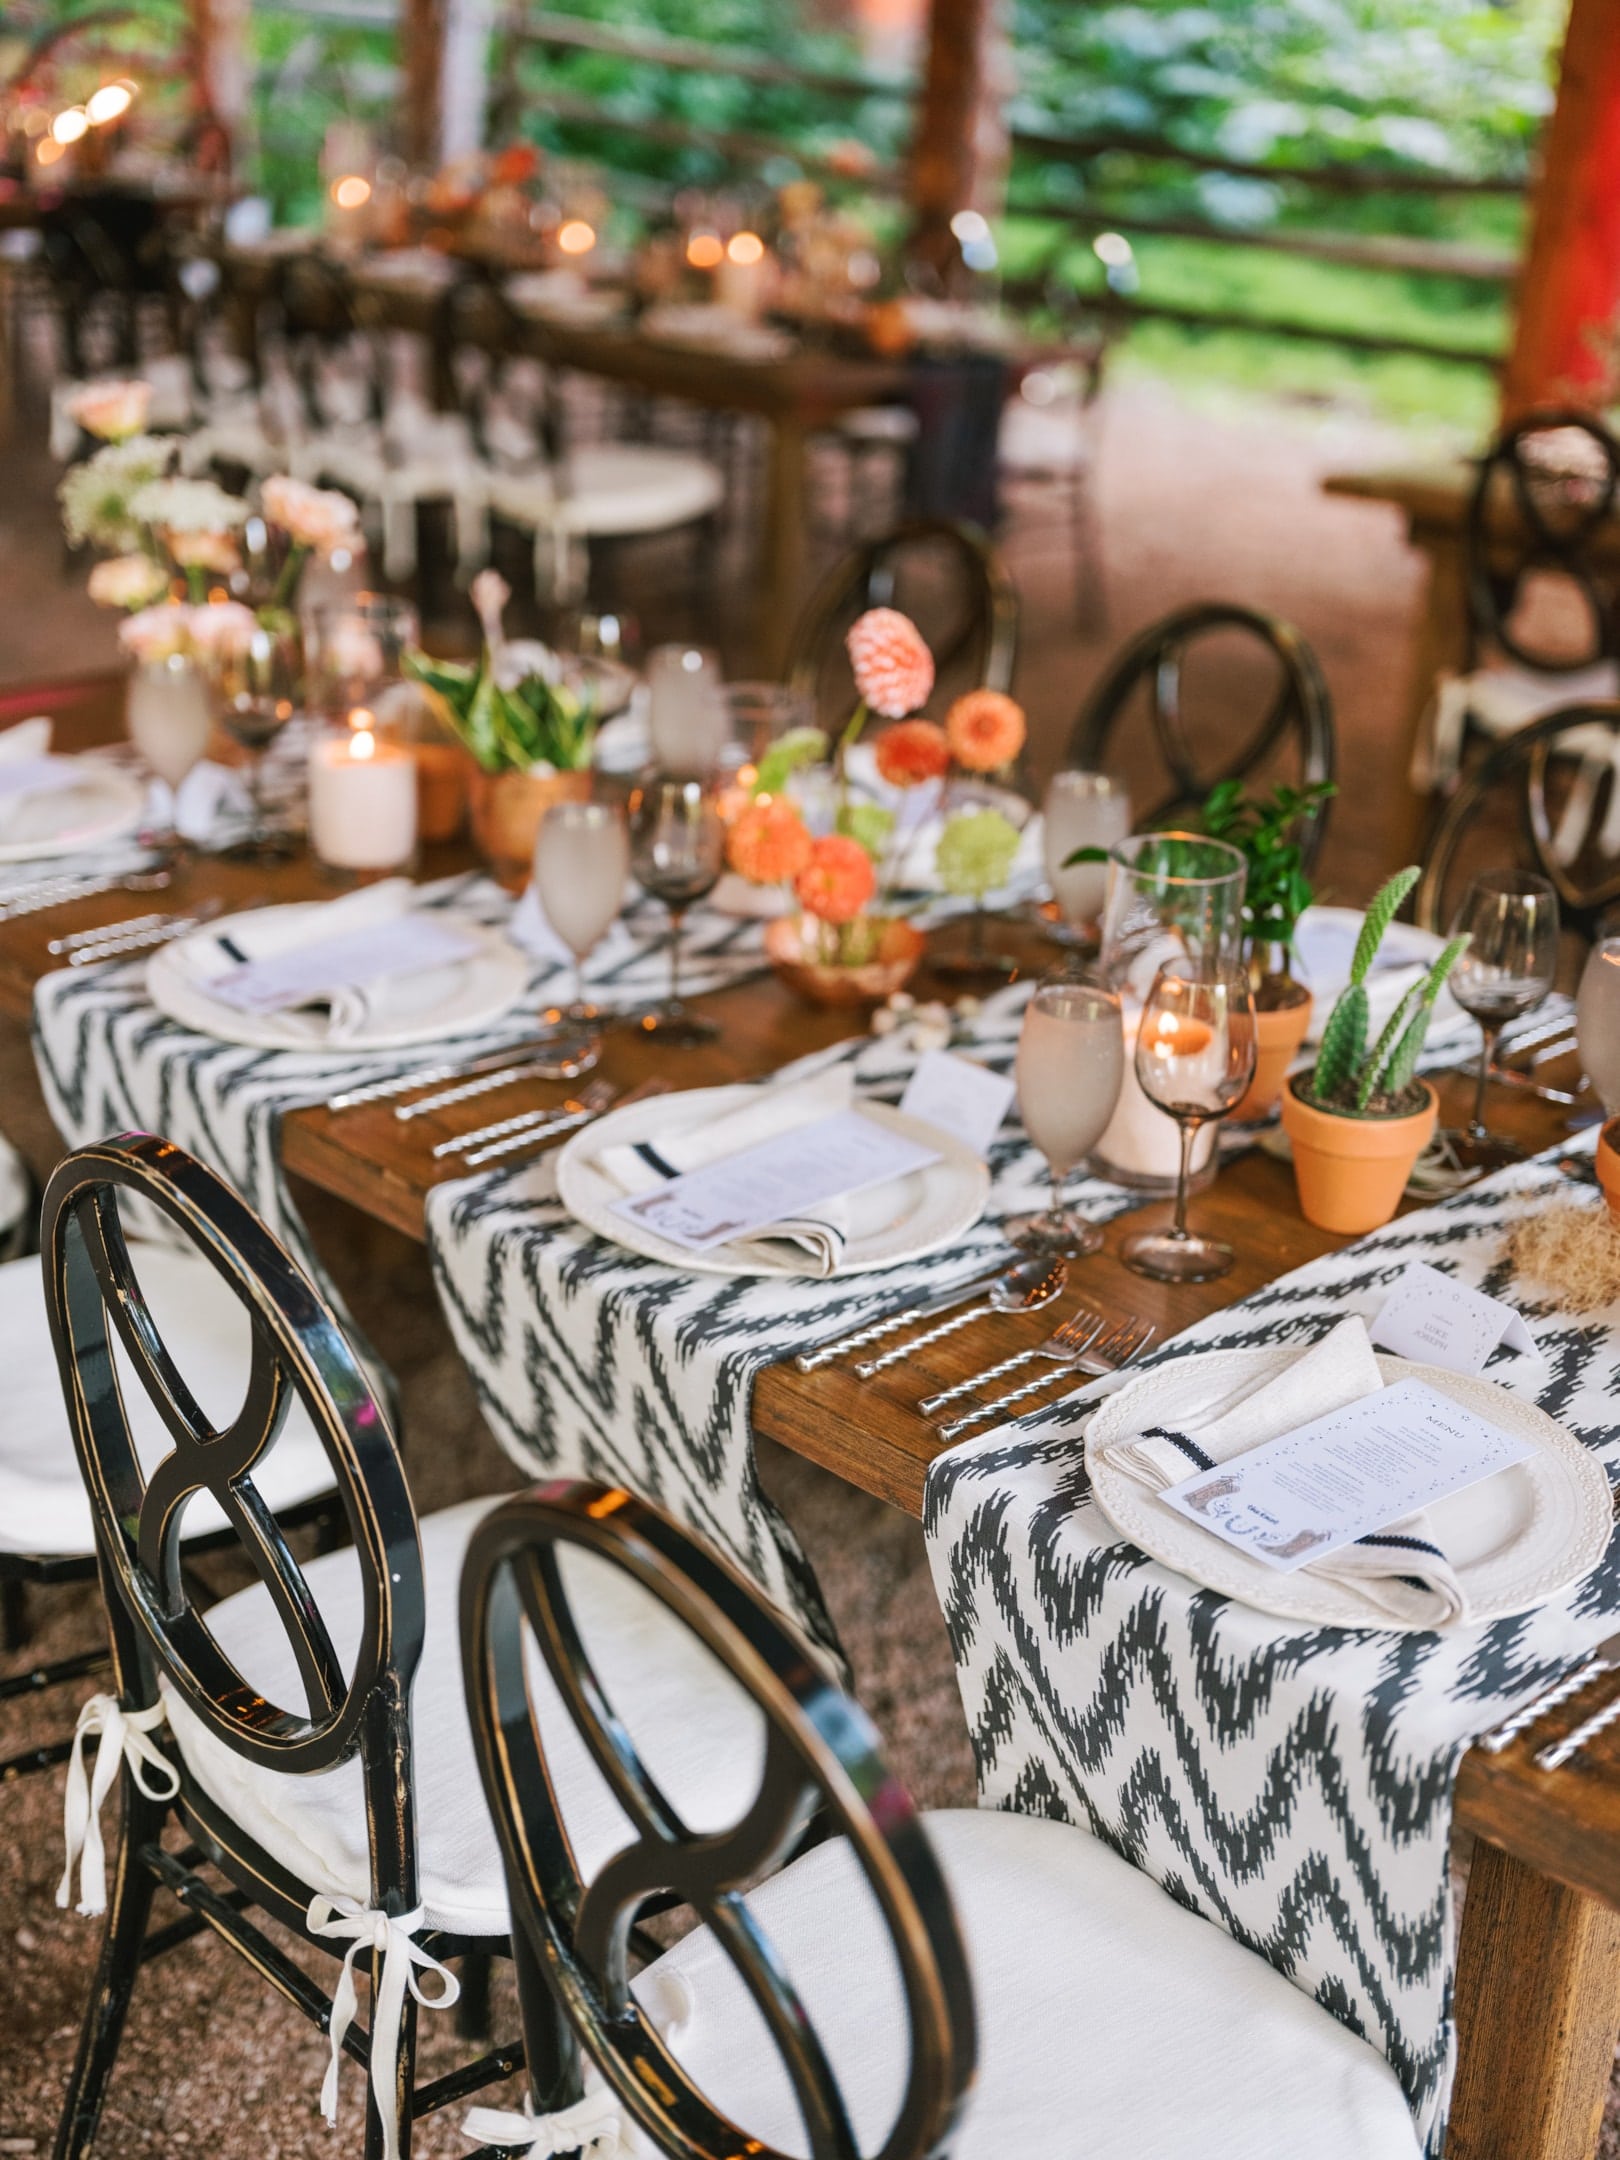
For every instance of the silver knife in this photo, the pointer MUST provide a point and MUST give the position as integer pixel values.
(136, 941)
(904, 1316)
(1605, 1658)
(446, 1069)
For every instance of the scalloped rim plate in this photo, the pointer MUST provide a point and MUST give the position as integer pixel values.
(103, 804)
(1515, 1539)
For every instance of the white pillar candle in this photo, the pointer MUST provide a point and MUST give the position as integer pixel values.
(362, 799)
(1142, 1140)
(742, 277)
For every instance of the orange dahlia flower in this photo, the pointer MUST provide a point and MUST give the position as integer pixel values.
(768, 843)
(837, 881)
(985, 729)
(911, 752)
(894, 670)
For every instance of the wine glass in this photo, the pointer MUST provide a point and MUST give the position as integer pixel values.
(1081, 810)
(1511, 920)
(677, 851)
(1194, 1060)
(259, 696)
(1071, 1060)
(1597, 1022)
(170, 716)
(581, 862)
(359, 649)
(687, 720)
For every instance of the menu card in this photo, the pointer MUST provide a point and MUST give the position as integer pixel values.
(1340, 1478)
(348, 961)
(786, 1176)
(1435, 1320)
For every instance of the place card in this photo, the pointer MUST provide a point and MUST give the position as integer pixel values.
(1435, 1320)
(776, 1180)
(347, 961)
(1340, 1478)
(966, 1100)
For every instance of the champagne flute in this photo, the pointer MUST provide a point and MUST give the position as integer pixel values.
(581, 862)
(677, 851)
(1071, 1062)
(170, 716)
(687, 719)
(260, 696)
(1194, 1059)
(1081, 810)
(1511, 920)
(1597, 1022)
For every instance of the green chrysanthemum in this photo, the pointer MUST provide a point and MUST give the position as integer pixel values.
(975, 853)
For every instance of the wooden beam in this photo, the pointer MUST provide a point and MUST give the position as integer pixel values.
(1564, 344)
(959, 147)
(422, 50)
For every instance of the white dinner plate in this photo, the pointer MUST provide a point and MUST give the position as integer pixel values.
(103, 803)
(1514, 1540)
(900, 1220)
(452, 999)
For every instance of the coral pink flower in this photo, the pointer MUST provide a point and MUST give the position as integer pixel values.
(894, 670)
(911, 752)
(768, 844)
(985, 729)
(112, 411)
(837, 881)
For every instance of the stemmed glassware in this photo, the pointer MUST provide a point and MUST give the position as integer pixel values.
(1194, 1059)
(259, 691)
(359, 649)
(1081, 810)
(581, 863)
(1071, 1060)
(687, 719)
(1511, 920)
(1597, 1022)
(677, 851)
(171, 716)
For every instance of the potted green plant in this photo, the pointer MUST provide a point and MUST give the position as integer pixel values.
(1359, 1119)
(529, 736)
(1276, 893)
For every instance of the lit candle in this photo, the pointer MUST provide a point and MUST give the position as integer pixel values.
(742, 275)
(1143, 1141)
(362, 798)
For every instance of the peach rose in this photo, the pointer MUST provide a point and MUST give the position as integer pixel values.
(156, 633)
(223, 629)
(912, 752)
(894, 670)
(127, 581)
(215, 551)
(317, 518)
(768, 843)
(837, 881)
(112, 411)
(986, 730)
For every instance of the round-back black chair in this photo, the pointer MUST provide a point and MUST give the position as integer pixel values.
(315, 317)
(945, 574)
(1171, 774)
(826, 2006)
(1546, 489)
(171, 1664)
(1549, 794)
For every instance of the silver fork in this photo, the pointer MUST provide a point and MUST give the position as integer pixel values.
(1077, 1333)
(590, 1100)
(1116, 1346)
(559, 1066)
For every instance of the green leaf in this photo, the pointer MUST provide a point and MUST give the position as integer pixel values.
(1394, 1027)
(789, 754)
(1344, 1041)
(1085, 854)
(1380, 914)
(869, 824)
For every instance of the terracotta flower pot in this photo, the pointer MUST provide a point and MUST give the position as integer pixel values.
(1351, 1171)
(505, 810)
(899, 948)
(1608, 1165)
(1278, 1035)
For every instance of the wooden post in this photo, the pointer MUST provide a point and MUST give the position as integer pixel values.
(959, 148)
(220, 72)
(1569, 295)
(422, 43)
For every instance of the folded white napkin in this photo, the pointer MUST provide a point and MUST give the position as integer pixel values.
(27, 768)
(638, 1166)
(1398, 1572)
(335, 1015)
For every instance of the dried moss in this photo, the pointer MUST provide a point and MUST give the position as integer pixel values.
(1572, 1249)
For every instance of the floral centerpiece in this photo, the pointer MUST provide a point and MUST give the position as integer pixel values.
(529, 735)
(850, 941)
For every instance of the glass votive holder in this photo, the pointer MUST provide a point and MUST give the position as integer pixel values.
(362, 800)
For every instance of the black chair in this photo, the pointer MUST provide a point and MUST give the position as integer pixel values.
(1294, 720)
(971, 625)
(831, 2004)
(1549, 793)
(1544, 499)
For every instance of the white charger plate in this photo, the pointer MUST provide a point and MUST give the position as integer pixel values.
(436, 1002)
(103, 803)
(900, 1220)
(1515, 1539)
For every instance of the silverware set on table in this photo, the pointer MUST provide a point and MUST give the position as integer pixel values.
(58, 890)
(1086, 1342)
(134, 934)
(1555, 1753)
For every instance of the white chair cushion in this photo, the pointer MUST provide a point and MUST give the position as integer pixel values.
(43, 1508)
(1113, 2024)
(1039, 439)
(613, 489)
(699, 1734)
(1501, 700)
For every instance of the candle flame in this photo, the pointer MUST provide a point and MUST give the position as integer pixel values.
(704, 250)
(746, 247)
(576, 237)
(363, 744)
(352, 191)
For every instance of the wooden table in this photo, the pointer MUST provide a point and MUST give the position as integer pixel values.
(796, 397)
(1539, 1971)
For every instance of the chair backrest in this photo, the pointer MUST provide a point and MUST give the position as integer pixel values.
(820, 1753)
(1545, 492)
(979, 639)
(1541, 791)
(1297, 713)
(92, 1289)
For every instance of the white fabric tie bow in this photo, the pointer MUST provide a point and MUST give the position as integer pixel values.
(123, 1740)
(365, 1928)
(591, 2126)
